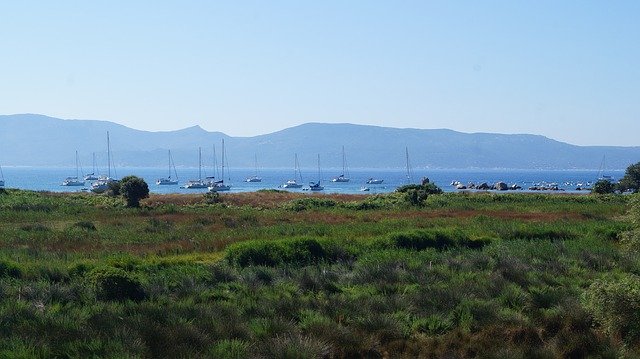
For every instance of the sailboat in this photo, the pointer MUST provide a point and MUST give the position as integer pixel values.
(255, 177)
(342, 177)
(92, 176)
(409, 169)
(74, 181)
(219, 186)
(102, 184)
(169, 180)
(315, 186)
(1, 177)
(601, 175)
(199, 183)
(293, 183)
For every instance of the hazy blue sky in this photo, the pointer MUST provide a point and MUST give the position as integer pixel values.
(569, 70)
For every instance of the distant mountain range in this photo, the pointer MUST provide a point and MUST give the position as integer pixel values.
(37, 140)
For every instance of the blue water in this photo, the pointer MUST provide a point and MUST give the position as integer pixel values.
(49, 179)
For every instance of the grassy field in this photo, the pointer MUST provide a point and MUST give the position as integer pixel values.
(281, 275)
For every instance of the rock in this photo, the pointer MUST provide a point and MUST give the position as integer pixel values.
(501, 186)
(483, 186)
(461, 186)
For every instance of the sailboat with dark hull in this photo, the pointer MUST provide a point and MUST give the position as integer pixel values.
(220, 186)
(92, 176)
(316, 186)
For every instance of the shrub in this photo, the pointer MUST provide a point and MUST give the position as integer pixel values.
(615, 304)
(438, 239)
(114, 284)
(133, 189)
(230, 349)
(303, 204)
(297, 251)
(417, 194)
(212, 198)
(9, 269)
(86, 225)
(603, 187)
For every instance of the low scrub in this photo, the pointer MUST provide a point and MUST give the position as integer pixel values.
(303, 204)
(615, 304)
(115, 284)
(296, 251)
(437, 239)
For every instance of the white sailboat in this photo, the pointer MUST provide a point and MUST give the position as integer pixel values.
(255, 177)
(342, 178)
(199, 183)
(102, 184)
(74, 181)
(293, 183)
(169, 181)
(219, 186)
(374, 181)
(316, 186)
(92, 176)
(409, 168)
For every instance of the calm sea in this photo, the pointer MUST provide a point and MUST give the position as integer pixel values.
(49, 179)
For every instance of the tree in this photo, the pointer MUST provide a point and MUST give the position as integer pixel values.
(133, 189)
(603, 187)
(631, 179)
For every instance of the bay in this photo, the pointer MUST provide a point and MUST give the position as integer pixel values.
(50, 178)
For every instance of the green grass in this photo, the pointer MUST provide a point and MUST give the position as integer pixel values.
(459, 275)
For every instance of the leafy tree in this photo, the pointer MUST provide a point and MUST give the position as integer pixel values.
(133, 189)
(603, 187)
(113, 189)
(631, 179)
(416, 194)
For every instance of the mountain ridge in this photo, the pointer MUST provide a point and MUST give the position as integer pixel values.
(40, 140)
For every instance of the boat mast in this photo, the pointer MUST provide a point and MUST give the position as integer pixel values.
(319, 169)
(77, 164)
(255, 155)
(409, 172)
(344, 160)
(199, 163)
(174, 166)
(222, 178)
(108, 156)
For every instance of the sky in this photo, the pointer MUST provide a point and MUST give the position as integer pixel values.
(568, 70)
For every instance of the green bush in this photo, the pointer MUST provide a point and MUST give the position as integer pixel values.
(603, 187)
(304, 204)
(615, 304)
(437, 239)
(9, 269)
(417, 194)
(114, 284)
(296, 251)
(133, 189)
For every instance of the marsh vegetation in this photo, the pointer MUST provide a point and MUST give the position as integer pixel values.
(274, 274)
